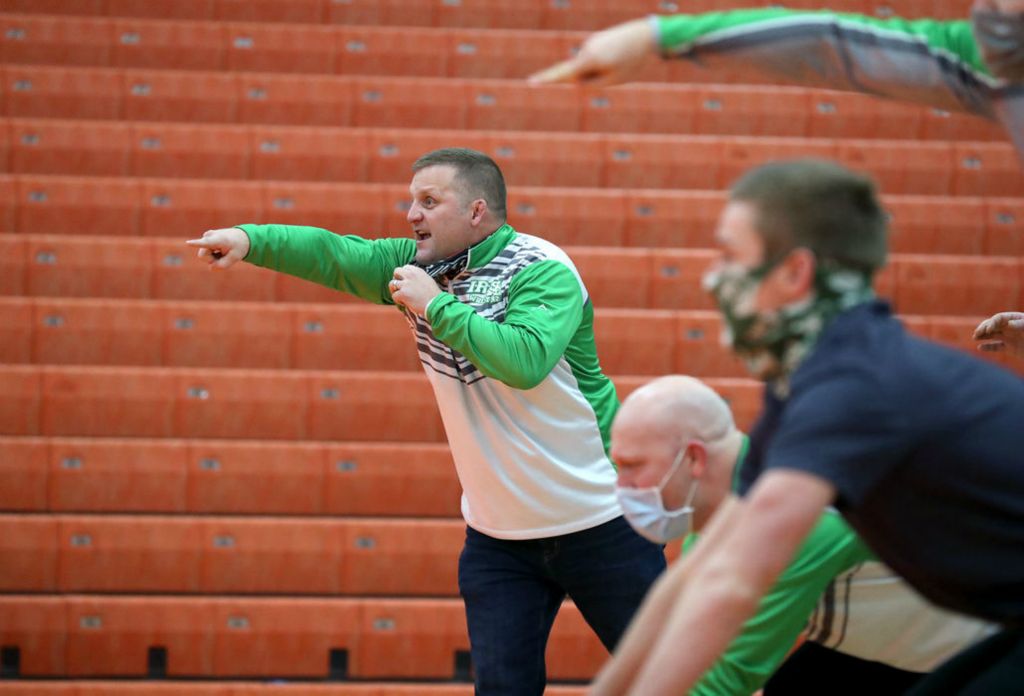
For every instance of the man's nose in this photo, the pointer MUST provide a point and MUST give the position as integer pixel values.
(414, 213)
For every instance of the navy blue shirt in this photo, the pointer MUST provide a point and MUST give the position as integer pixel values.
(925, 446)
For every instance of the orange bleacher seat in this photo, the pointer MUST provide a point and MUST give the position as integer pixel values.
(233, 335)
(185, 151)
(385, 478)
(943, 125)
(13, 265)
(490, 14)
(901, 166)
(308, 154)
(168, 45)
(641, 161)
(549, 159)
(98, 401)
(282, 637)
(85, 148)
(59, 7)
(87, 267)
(510, 105)
(37, 628)
(118, 636)
(396, 200)
(178, 275)
(640, 108)
(271, 555)
(28, 553)
(162, 9)
(351, 337)
(16, 328)
(635, 342)
(504, 54)
(389, 102)
(574, 651)
(280, 48)
(297, 11)
(300, 100)
(184, 209)
(614, 277)
(675, 277)
(190, 97)
(751, 110)
(55, 40)
(409, 13)
(744, 397)
(8, 204)
(96, 332)
(60, 92)
(698, 347)
(18, 687)
(569, 216)
(986, 169)
(20, 400)
(955, 285)
(25, 474)
(372, 406)
(930, 225)
(401, 51)
(77, 205)
(115, 553)
(400, 557)
(672, 218)
(267, 404)
(591, 15)
(107, 475)
(255, 477)
(409, 638)
(392, 151)
(341, 208)
(740, 155)
(848, 115)
(1004, 226)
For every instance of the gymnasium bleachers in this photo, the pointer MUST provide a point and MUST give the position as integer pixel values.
(237, 484)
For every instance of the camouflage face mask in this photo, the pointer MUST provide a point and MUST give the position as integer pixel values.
(773, 343)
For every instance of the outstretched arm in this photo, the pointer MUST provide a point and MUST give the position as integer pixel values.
(776, 516)
(361, 267)
(619, 673)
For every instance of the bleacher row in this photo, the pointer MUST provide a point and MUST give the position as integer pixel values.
(236, 483)
(523, 14)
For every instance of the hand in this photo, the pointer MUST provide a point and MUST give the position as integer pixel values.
(607, 57)
(1003, 331)
(413, 289)
(222, 248)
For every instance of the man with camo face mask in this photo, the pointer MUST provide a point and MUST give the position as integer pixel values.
(773, 338)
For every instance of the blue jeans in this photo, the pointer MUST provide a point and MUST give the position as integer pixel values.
(513, 589)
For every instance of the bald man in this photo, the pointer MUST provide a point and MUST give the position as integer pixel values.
(678, 451)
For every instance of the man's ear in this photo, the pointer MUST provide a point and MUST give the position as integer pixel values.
(479, 211)
(698, 457)
(798, 273)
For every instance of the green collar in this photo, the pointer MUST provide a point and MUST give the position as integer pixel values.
(484, 251)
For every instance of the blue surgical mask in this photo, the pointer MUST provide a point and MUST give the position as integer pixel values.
(644, 509)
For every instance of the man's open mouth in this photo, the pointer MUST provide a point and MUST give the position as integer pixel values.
(420, 235)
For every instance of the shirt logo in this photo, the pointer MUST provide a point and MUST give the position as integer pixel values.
(482, 291)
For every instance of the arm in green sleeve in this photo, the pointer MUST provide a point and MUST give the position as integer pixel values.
(360, 267)
(545, 306)
(768, 636)
(680, 33)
